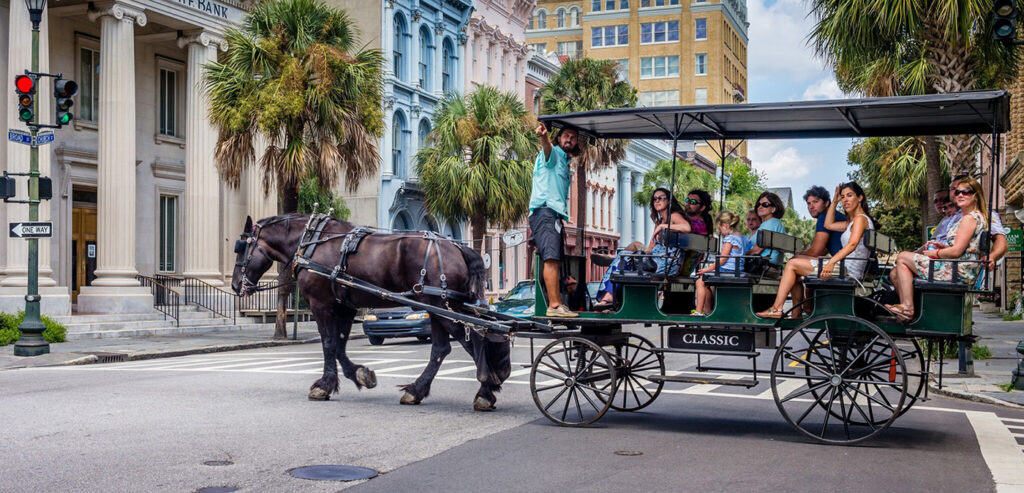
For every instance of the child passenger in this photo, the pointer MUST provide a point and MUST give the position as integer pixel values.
(734, 244)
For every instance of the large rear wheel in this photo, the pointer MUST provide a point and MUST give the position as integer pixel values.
(573, 381)
(855, 380)
(635, 361)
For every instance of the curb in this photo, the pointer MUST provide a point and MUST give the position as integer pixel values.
(214, 349)
(974, 397)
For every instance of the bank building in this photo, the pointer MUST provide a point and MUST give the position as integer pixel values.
(135, 187)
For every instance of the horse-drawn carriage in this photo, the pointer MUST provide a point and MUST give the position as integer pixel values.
(842, 374)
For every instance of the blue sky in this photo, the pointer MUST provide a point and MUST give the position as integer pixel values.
(782, 67)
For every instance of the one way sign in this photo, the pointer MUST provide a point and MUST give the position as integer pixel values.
(32, 230)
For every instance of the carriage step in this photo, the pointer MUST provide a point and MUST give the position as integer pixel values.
(743, 382)
(749, 354)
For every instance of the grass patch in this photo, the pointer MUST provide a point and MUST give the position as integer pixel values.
(950, 351)
(54, 331)
(1007, 387)
(1011, 317)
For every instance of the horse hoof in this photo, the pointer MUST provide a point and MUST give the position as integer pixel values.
(409, 399)
(318, 394)
(366, 377)
(481, 404)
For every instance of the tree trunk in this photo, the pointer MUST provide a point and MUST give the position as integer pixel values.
(933, 180)
(288, 201)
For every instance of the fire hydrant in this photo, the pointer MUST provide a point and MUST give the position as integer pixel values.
(1018, 373)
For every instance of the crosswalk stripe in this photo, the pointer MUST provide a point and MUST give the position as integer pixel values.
(164, 364)
(246, 363)
(706, 388)
(459, 369)
(1012, 420)
(1001, 452)
(516, 373)
(398, 368)
(292, 365)
(786, 387)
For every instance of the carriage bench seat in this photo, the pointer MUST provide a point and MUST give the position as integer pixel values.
(815, 282)
(941, 286)
(729, 279)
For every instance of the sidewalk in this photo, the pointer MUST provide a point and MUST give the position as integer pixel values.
(1001, 338)
(99, 350)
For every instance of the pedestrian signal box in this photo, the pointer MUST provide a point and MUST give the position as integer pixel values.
(6, 187)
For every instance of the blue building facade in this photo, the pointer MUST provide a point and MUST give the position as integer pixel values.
(423, 42)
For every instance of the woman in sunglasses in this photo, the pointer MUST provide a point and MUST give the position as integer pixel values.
(664, 216)
(961, 243)
(770, 209)
(855, 205)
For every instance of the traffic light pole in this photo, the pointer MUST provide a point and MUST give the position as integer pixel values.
(31, 342)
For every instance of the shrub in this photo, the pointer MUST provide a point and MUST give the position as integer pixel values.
(54, 331)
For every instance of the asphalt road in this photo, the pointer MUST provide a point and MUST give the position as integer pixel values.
(151, 425)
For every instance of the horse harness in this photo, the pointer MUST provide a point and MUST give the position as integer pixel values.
(246, 245)
(314, 236)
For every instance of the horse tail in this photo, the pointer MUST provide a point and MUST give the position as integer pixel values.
(475, 269)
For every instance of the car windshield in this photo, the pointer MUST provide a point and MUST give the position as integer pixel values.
(523, 291)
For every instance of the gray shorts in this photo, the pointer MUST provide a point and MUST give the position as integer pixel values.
(546, 227)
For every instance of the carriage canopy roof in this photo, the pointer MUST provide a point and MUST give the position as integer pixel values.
(975, 112)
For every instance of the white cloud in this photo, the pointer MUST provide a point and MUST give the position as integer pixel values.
(778, 41)
(778, 162)
(823, 89)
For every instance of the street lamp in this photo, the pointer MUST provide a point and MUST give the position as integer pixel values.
(35, 12)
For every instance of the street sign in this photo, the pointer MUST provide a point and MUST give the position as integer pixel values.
(727, 179)
(19, 137)
(1015, 240)
(31, 230)
(22, 137)
(487, 261)
(513, 237)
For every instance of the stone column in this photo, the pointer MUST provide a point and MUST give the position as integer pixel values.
(388, 41)
(439, 61)
(202, 188)
(625, 212)
(638, 214)
(56, 300)
(414, 49)
(115, 289)
(467, 46)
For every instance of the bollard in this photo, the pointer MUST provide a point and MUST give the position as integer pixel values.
(1018, 373)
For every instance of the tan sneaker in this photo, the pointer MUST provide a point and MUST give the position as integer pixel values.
(561, 311)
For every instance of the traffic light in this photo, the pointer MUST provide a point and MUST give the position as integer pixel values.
(6, 187)
(1004, 20)
(63, 91)
(25, 88)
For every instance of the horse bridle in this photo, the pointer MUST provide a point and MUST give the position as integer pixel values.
(246, 245)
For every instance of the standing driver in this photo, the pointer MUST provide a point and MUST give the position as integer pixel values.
(548, 209)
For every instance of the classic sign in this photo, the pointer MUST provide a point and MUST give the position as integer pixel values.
(715, 339)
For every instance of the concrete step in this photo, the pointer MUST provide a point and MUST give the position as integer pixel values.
(171, 330)
(146, 324)
(184, 312)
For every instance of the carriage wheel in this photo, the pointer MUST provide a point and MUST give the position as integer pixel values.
(573, 381)
(913, 358)
(635, 360)
(855, 382)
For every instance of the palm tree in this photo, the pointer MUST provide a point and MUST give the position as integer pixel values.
(583, 85)
(890, 47)
(892, 171)
(292, 78)
(478, 159)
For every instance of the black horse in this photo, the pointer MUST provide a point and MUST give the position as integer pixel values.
(392, 262)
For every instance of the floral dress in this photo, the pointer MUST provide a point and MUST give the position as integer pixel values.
(968, 272)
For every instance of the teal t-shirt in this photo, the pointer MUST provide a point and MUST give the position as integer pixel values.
(551, 182)
(773, 224)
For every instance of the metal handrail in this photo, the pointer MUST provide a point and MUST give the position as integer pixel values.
(210, 297)
(165, 299)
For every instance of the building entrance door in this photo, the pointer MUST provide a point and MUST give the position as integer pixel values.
(83, 248)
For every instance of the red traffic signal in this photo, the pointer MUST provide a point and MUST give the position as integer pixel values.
(25, 84)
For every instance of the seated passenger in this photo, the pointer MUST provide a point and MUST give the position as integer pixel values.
(961, 243)
(734, 244)
(770, 209)
(753, 222)
(854, 250)
(606, 292)
(825, 241)
(697, 204)
(665, 217)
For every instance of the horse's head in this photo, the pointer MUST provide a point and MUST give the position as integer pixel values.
(251, 259)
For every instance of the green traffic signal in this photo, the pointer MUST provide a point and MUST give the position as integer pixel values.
(25, 114)
(65, 118)
(63, 91)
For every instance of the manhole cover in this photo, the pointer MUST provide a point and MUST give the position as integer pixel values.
(628, 453)
(217, 489)
(333, 473)
(218, 463)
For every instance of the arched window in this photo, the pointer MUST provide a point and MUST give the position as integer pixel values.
(448, 63)
(574, 17)
(424, 132)
(426, 57)
(542, 20)
(401, 223)
(398, 145)
(453, 231)
(561, 18)
(430, 224)
(400, 48)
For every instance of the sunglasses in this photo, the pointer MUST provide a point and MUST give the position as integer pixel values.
(692, 201)
(959, 192)
(660, 197)
(764, 204)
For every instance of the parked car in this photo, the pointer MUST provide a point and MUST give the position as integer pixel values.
(519, 300)
(381, 323)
